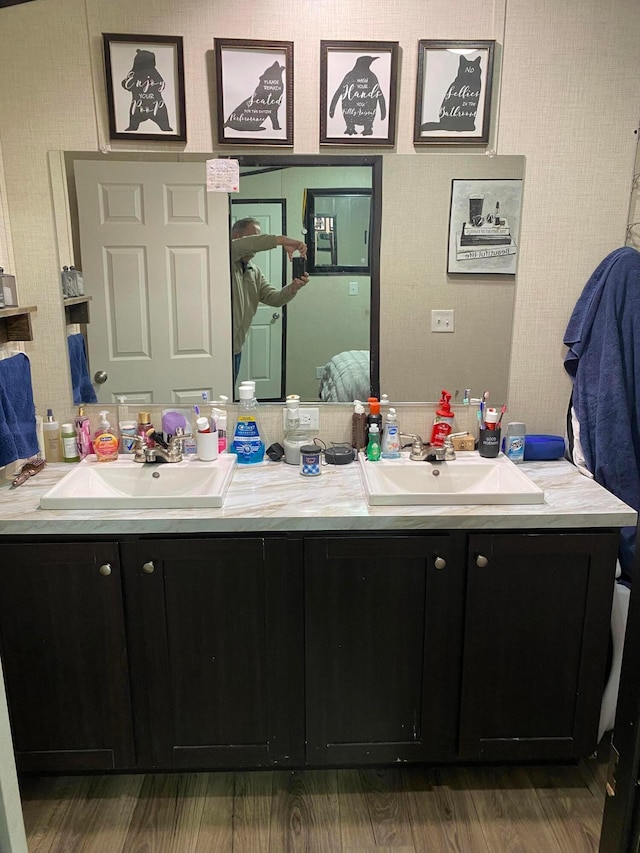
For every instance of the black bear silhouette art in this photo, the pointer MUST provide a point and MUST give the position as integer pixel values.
(251, 114)
(361, 95)
(146, 85)
(460, 105)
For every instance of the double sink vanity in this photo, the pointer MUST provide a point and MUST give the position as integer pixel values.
(374, 614)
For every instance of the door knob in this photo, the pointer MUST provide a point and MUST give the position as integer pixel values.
(481, 561)
(275, 317)
(100, 377)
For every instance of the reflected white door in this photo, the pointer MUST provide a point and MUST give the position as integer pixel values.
(262, 352)
(155, 260)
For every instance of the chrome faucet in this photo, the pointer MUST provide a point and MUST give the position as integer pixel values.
(418, 451)
(170, 452)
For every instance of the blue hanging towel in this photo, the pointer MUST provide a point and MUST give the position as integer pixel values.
(18, 438)
(603, 359)
(83, 390)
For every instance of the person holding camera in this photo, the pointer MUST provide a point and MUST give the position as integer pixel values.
(249, 286)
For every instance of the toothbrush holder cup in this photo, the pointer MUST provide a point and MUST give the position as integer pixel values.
(489, 443)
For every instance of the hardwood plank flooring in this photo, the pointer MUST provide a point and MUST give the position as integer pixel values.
(410, 809)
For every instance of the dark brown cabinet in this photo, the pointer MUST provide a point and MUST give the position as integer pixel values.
(62, 642)
(319, 650)
(215, 647)
(383, 630)
(536, 640)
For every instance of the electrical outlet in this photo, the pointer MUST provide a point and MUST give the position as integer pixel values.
(319, 372)
(309, 418)
(442, 321)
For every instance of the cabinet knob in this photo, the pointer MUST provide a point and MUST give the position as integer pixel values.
(481, 561)
(440, 563)
(148, 568)
(105, 570)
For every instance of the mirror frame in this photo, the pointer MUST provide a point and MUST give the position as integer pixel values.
(312, 195)
(375, 161)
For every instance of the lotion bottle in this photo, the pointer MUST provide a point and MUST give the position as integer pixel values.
(105, 441)
(51, 431)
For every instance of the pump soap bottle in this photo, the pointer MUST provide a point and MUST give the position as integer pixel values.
(358, 426)
(373, 447)
(391, 437)
(105, 442)
(443, 423)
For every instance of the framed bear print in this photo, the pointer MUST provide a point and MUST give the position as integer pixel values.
(254, 83)
(453, 92)
(358, 82)
(145, 87)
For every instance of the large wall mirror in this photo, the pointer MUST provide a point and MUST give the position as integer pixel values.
(380, 319)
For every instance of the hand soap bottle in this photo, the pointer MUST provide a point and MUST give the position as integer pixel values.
(373, 447)
(105, 441)
(391, 437)
(443, 423)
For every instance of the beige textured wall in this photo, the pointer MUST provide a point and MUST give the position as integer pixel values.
(567, 98)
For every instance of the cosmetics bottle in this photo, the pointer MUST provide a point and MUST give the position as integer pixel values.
(51, 430)
(443, 422)
(82, 426)
(70, 452)
(144, 427)
(358, 426)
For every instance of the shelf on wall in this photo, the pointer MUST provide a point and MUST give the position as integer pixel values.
(76, 309)
(15, 323)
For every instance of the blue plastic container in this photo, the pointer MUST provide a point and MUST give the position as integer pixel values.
(543, 448)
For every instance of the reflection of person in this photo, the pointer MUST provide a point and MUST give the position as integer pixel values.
(249, 287)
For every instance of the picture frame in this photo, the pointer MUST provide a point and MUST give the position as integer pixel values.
(145, 87)
(254, 86)
(453, 92)
(358, 102)
(484, 225)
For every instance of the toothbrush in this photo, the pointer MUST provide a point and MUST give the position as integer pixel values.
(502, 411)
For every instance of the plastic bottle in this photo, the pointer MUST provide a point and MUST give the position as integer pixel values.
(247, 439)
(82, 426)
(358, 426)
(105, 441)
(373, 447)
(51, 431)
(127, 431)
(144, 425)
(514, 441)
(70, 451)
(391, 437)
(374, 416)
(221, 420)
(443, 423)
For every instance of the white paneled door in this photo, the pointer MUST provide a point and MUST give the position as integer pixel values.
(155, 259)
(262, 352)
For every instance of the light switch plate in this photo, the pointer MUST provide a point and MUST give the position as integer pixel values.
(442, 321)
(353, 288)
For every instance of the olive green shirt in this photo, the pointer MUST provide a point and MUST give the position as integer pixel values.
(249, 287)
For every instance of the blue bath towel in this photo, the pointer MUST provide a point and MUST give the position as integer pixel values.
(603, 337)
(18, 438)
(83, 390)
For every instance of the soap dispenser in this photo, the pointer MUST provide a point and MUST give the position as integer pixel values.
(443, 423)
(391, 437)
(105, 441)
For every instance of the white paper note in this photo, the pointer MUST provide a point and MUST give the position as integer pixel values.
(223, 176)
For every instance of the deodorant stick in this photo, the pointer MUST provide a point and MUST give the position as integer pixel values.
(514, 442)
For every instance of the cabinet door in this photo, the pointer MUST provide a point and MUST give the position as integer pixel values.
(382, 636)
(215, 644)
(63, 651)
(536, 641)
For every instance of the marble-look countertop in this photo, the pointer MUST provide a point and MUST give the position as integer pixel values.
(273, 497)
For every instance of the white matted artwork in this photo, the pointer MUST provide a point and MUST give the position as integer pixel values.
(484, 226)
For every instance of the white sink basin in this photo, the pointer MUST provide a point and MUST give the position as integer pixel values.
(470, 479)
(125, 484)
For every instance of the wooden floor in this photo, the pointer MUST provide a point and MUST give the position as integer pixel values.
(550, 809)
